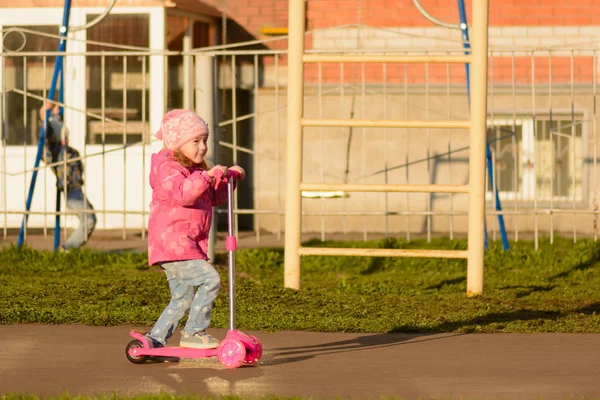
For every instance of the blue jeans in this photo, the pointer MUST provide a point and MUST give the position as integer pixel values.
(77, 201)
(194, 285)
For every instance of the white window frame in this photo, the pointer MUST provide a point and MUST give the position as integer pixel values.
(528, 186)
(528, 190)
(156, 67)
(75, 91)
(29, 17)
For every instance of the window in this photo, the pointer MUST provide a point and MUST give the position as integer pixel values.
(175, 31)
(123, 80)
(245, 139)
(540, 158)
(30, 74)
(502, 140)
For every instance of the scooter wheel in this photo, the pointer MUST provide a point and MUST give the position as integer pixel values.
(254, 354)
(135, 344)
(231, 353)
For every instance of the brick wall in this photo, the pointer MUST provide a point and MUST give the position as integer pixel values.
(514, 23)
(325, 13)
(254, 14)
(500, 71)
(517, 51)
(522, 24)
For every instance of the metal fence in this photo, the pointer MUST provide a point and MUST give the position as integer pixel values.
(542, 134)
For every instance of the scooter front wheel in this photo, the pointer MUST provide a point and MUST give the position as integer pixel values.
(231, 353)
(135, 344)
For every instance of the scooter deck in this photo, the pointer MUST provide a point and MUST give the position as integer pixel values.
(178, 352)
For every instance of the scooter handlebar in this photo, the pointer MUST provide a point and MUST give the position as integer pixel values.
(230, 174)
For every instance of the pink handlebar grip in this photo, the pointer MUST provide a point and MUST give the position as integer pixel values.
(233, 174)
(230, 174)
(231, 243)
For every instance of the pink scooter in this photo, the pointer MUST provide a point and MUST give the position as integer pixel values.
(235, 350)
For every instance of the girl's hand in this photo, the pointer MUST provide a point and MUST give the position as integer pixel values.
(211, 172)
(239, 170)
(48, 106)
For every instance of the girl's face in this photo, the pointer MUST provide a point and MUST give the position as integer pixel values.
(196, 149)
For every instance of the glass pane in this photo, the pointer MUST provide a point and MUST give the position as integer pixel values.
(545, 163)
(176, 28)
(124, 79)
(502, 140)
(30, 74)
(568, 158)
(559, 158)
(244, 138)
(202, 35)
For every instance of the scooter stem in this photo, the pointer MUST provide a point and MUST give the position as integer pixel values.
(231, 247)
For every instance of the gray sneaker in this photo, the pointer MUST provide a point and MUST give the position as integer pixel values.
(199, 340)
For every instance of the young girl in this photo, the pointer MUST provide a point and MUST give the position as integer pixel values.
(184, 190)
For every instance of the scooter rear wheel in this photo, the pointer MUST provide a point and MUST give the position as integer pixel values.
(135, 344)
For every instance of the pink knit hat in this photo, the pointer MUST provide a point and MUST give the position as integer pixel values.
(179, 127)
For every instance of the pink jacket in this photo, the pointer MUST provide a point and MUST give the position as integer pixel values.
(181, 210)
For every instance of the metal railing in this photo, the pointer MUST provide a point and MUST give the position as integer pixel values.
(542, 124)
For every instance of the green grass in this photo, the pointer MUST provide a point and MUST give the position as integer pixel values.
(167, 397)
(554, 289)
(144, 397)
(196, 397)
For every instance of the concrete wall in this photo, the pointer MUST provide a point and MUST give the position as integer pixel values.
(325, 160)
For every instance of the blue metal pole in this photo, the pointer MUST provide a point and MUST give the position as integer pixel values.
(61, 89)
(61, 112)
(467, 46)
(464, 28)
(485, 235)
(498, 206)
(57, 68)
